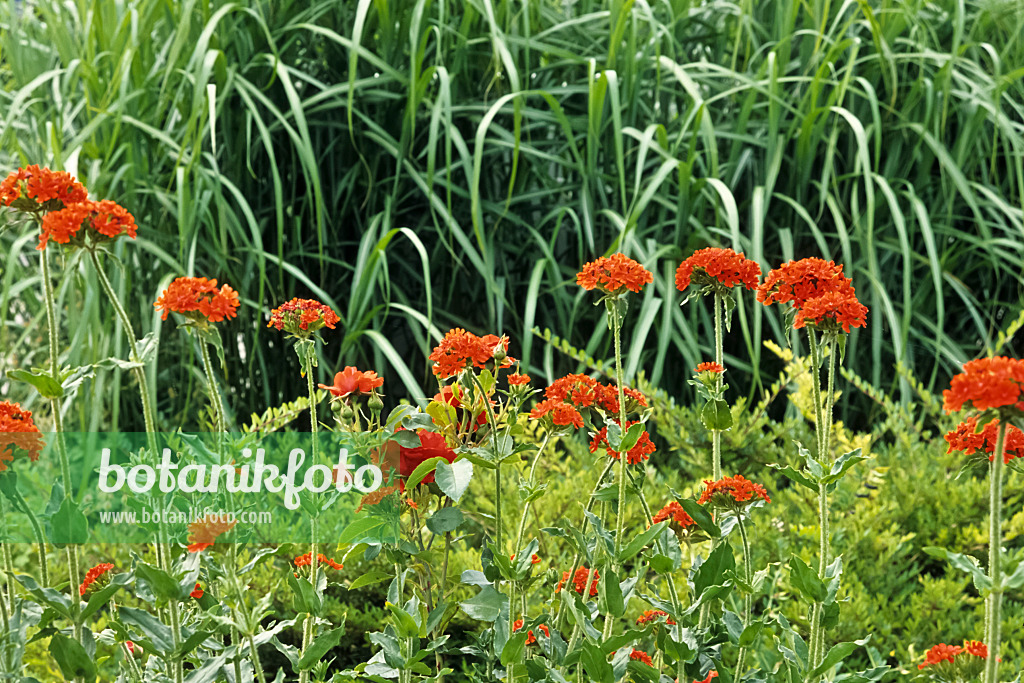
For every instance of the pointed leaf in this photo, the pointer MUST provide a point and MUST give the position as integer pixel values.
(453, 479)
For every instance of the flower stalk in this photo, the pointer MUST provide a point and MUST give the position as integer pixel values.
(993, 617)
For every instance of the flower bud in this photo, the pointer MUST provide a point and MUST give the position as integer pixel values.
(375, 404)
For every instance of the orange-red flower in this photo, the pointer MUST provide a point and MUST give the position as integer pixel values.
(432, 445)
(712, 674)
(561, 413)
(533, 558)
(516, 379)
(303, 317)
(42, 185)
(204, 532)
(307, 560)
(724, 266)
(93, 575)
(352, 381)
(459, 350)
(654, 615)
(832, 310)
(728, 491)
(198, 298)
(940, 653)
(641, 656)
(976, 648)
(636, 455)
(106, 219)
(709, 367)
(18, 434)
(579, 390)
(986, 383)
(608, 398)
(801, 281)
(133, 648)
(579, 581)
(530, 638)
(197, 592)
(967, 438)
(612, 274)
(674, 512)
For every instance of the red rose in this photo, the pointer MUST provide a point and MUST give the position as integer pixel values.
(432, 445)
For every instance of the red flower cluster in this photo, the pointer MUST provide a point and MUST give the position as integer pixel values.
(612, 274)
(725, 266)
(641, 656)
(303, 317)
(198, 298)
(940, 653)
(203, 533)
(800, 281)
(967, 438)
(839, 308)
(18, 433)
(579, 581)
(307, 560)
(530, 638)
(107, 219)
(460, 350)
(654, 615)
(562, 413)
(197, 592)
(352, 381)
(976, 648)
(636, 455)
(517, 380)
(732, 490)
(674, 512)
(709, 367)
(432, 445)
(42, 185)
(986, 383)
(93, 575)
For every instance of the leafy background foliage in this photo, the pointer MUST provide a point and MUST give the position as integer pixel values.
(422, 164)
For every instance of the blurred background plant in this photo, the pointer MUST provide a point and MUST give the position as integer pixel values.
(420, 164)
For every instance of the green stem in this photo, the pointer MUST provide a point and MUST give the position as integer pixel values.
(37, 531)
(716, 434)
(526, 507)
(309, 627)
(748, 600)
(211, 380)
(993, 620)
(3, 613)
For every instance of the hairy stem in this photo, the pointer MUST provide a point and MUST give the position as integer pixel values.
(993, 619)
(748, 600)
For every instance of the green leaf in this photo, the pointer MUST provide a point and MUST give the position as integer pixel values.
(485, 605)
(102, 596)
(513, 651)
(68, 524)
(610, 593)
(842, 465)
(369, 579)
(360, 529)
(796, 476)
(74, 662)
(712, 571)
(444, 520)
(48, 596)
(1015, 579)
(147, 347)
(163, 584)
(405, 625)
(639, 542)
(193, 641)
(641, 672)
(964, 563)
(46, 385)
(701, 516)
(595, 664)
(806, 580)
(320, 646)
(716, 415)
(422, 470)
(630, 438)
(750, 634)
(835, 655)
(304, 599)
(160, 638)
(453, 479)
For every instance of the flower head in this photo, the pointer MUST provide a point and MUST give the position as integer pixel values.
(940, 653)
(986, 383)
(636, 455)
(460, 350)
(641, 656)
(967, 438)
(579, 390)
(801, 281)
(204, 532)
(832, 311)
(717, 266)
(517, 380)
(676, 514)
(715, 368)
(561, 413)
(303, 317)
(976, 648)
(93, 575)
(199, 300)
(18, 434)
(104, 220)
(197, 592)
(307, 561)
(37, 186)
(352, 381)
(731, 491)
(654, 615)
(579, 581)
(613, 275)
